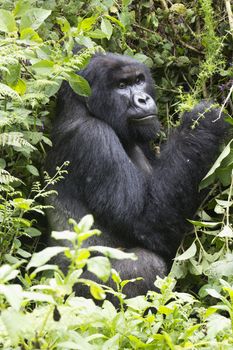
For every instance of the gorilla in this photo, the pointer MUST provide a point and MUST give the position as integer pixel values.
(140, 199)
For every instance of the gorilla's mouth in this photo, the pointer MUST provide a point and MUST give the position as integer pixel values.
(147, 120)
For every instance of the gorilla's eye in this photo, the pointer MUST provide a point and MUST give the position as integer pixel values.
(122, 84)
(140, 79)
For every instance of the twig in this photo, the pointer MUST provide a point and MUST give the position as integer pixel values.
(225, 102)
(229, 14)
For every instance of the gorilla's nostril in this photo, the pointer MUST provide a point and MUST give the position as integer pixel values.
(142, 100)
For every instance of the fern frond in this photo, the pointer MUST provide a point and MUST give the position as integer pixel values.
(5, 90)
(14, 139)
(6, 178)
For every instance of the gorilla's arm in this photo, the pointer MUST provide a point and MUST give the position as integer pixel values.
(184, 161)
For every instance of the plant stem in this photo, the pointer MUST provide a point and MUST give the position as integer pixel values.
(229, 14)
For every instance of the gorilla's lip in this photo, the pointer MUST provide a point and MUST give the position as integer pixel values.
(144, 120)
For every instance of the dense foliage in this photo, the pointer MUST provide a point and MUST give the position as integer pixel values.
(188, 45)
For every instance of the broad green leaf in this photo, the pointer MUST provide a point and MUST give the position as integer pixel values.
(33, 18)
(162, 309)
(226, 232)
(126, 3)
(38, 297)
(217, 323)
(64, 24)
(189, 253)
(44, 67)
(100, 266)
(113, 253)
(86, 223)
(7, 22)
(42, 257)
(33, 170)
(22, 203)
(69, 235)
(79, 85)
(205, 182)
(116, 21)
(21, 7)
(20, 87)
(106, 28)
(13, 294)
(87, 24)
(144, 59)
(97, 291)
(16, 324)
(97, 34)
(224, 204)
(28, 34)
(222, 267)
(14, 73)
(7, 273)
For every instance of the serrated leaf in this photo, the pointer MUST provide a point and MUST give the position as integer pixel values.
(189, 253)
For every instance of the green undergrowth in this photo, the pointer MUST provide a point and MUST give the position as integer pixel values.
(188, 47)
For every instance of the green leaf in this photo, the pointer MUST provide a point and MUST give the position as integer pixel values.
(208, 178)
(189, 253)
(114, 253)
(126, 3)
(222, 267)
(33, 18)
(42, 257)
(64, 24)
(20, 87)
(226, 232)
(33, 170)
(106, 28)
(97, 291)
(217, 323)
(100, 266)
(68, 235)
(28, 34)
(87, 24)
(44, 67)
(79, 85)
(13, 294)
(7, 22)
(97, 34)
(13, 74)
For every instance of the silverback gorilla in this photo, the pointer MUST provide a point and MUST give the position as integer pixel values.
(140, 200)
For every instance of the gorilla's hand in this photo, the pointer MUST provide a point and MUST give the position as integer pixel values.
(205, 115)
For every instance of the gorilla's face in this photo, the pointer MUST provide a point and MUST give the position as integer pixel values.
(123, 96)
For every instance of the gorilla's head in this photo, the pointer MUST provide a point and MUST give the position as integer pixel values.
(123, 96)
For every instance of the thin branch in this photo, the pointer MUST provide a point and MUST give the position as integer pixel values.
(230, 14)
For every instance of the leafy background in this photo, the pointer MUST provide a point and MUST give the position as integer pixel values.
(188, 46)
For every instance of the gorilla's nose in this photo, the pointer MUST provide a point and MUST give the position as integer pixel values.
(144, 101)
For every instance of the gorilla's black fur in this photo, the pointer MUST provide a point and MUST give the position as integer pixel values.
(139, 200)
